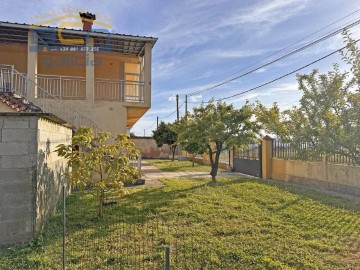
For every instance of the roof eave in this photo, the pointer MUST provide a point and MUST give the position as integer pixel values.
(80, 32)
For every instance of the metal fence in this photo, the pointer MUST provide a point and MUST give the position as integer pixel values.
(124, 239)
(251, 152)
(310, 152)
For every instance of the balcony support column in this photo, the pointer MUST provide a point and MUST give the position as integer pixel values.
(90, 70)
(32, 63)
(147, 74)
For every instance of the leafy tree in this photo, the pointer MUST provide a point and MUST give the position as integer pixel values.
(101, 166)
(219, 127)
(194, 149)
(166, 134)
(328, 116)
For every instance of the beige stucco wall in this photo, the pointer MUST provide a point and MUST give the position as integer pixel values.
(61, 63)
(109, 116)
(339, 177)
(14, 54)
(50, 167)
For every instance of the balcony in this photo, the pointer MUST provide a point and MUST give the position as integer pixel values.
(74, 88)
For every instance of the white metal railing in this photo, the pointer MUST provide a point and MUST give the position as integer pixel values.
(63, 87)
(71, 87)
(13, 81)
(120, 90)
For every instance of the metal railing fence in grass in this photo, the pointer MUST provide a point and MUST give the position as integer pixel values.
(123, 239)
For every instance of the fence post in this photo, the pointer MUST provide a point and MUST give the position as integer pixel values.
(12, 83)
(167, 258)
(64, 227)
(139, 164)
(266, 157)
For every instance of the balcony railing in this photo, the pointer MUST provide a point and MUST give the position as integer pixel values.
(70, 87)
(63, 87)
(13, 81)
(119, 90)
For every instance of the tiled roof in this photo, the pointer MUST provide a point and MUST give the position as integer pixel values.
(18, 103)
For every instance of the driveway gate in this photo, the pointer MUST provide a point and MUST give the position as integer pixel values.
(248, 161)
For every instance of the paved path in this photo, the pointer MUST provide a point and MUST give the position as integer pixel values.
(153, 174)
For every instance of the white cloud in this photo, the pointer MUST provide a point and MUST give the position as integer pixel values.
(195, 98)
(267, 13)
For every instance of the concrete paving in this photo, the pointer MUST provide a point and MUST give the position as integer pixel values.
(152, 174)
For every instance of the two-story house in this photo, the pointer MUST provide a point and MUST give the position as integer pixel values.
(85, 77)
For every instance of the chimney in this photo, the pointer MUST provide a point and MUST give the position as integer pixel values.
(87, 20)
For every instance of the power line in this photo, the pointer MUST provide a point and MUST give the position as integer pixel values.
(172, 112)
(281, 77)
(354, 23)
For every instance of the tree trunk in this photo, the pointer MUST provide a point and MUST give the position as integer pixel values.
(212, 173)
(101, 206)
(173, 148)
(215, 163)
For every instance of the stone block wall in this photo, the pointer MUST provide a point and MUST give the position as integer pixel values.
(29, 174)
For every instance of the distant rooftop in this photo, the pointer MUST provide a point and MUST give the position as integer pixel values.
(125, 44)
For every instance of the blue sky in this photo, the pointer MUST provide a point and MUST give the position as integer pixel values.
(202, 42)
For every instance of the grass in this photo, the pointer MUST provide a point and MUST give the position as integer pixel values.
(238, 224)
(179, 166)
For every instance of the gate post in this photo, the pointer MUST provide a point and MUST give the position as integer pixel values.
(266, 157)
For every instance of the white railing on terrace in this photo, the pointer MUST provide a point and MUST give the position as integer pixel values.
(13, 81)
(120, 90)
(72, 88)
(63, 87)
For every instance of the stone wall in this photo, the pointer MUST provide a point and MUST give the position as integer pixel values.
(29, 173)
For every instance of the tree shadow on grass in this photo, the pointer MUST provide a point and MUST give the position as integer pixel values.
(303, 192)
(138, 207)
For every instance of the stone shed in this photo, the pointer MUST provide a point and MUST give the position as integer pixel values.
(31, 173)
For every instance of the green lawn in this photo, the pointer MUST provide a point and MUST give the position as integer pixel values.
(238, 224)
(178, 166)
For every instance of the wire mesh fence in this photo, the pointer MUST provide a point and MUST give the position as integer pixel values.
(124, 239)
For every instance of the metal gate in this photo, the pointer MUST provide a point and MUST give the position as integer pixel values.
(248, 161)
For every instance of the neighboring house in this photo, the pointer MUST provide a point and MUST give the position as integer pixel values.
(99, 79)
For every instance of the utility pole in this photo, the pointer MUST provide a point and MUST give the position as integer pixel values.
(177, 107)
(144, 132)
(186, 111)
(177, 113)
(157, 122)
